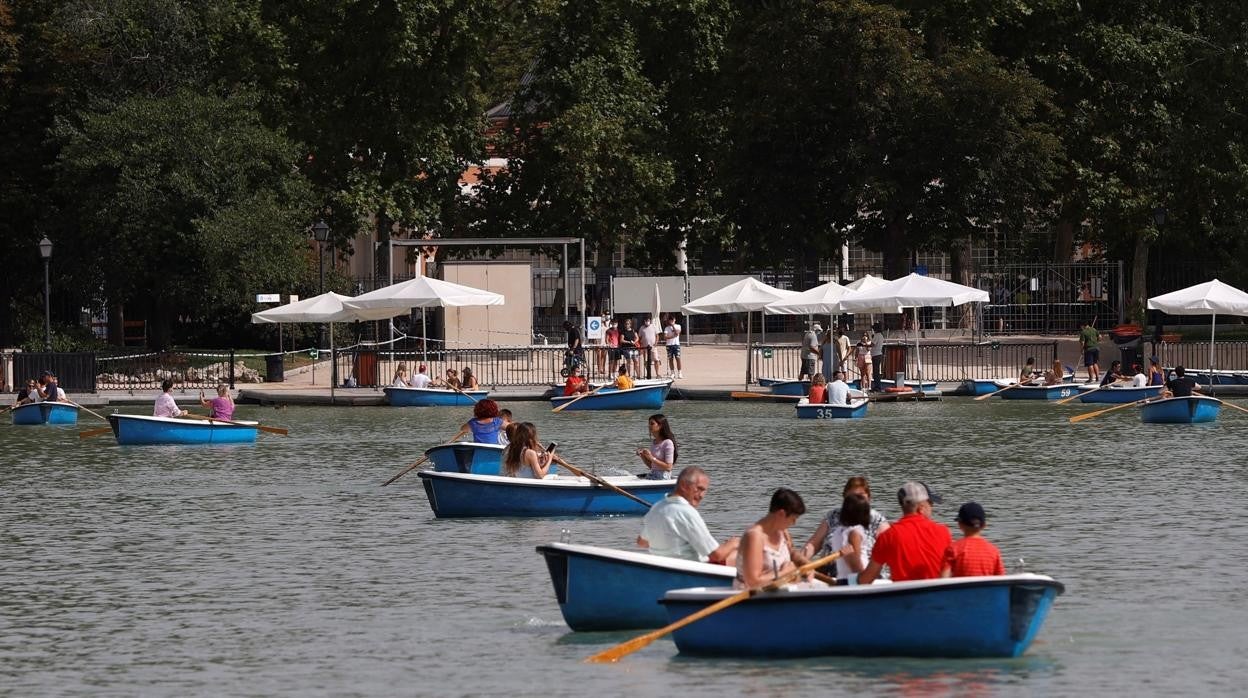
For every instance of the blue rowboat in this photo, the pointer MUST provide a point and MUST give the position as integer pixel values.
(46, 413)
(781, 386)
(432, 397)
(605, 589)
(956, 617)
(984, 386)
(1041, 392)
(1122, 393)
(928, 386)
(135, 429)
(646, 397)
(856, 409)
(1193, 409)
(461, 495)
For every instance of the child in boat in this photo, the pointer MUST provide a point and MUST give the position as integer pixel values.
(818, 389)
(622, 381)
(972, 555)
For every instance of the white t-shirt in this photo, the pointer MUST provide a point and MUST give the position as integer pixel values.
(671, 334)
(840, 538)
(877, 344)
(1139, 380)
(675, 529)
(838, 393)
(420, 380)
(649, 335)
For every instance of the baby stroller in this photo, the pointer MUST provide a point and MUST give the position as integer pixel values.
(572, 359)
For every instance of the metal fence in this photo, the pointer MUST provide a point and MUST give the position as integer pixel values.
(944, 362)
(144, 371)
(1227, 356)
(493, 366)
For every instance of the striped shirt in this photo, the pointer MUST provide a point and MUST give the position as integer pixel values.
(974, 557)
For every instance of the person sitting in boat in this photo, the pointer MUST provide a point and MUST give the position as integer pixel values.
(165, 406)
(823, 543)
(486, 424)
(1114, 374)
(818, 389)
(452, 379)
(674, 528)
(504, 435)
(662, 454)
(524, 456)
(1156, 376)
(1056, 373)
(1028, 375)
(28, 394)
(837, 391)
(914, 547)
(221, 406)
(972, 555)
(48, 389)
(468, 380)
(421, 379)
(575, 385)
(766, 550)
(622, 381)
(400, 377)
(848, 538)
(1182, 385)
(1138, 378)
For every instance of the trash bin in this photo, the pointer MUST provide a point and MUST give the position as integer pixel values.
(894, 359)
(366, 369)
(274, 368)
(1131, 354)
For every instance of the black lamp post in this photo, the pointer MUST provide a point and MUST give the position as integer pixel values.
(321, 232)
(1159, 216)
(45, 251)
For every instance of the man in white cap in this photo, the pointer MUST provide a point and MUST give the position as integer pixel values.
(914, 547)
(811, 352)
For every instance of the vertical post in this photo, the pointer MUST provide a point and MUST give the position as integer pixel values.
(47, 306)
(583, 308)
(320, 262)
(565, 281)
(231, 369)
(1120, 293)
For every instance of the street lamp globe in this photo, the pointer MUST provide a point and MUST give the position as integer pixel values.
(45, 248)
(1159, 216)
(320, 231)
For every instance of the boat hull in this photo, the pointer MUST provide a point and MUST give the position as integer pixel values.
(646, 397)
(785, 387)
(432, 397)
(45, 413)
(467, 457)
(855, 410)
(983, 386)
(462, 495)
(602, 589)
(1195, 409)
(960, 617)
(130, 429)
(1120, 395)
(1040, 392)
(928, 386)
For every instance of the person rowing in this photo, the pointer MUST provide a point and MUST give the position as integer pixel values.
(674, 528)
(1182, 385)
(165, 405)
(221, 406)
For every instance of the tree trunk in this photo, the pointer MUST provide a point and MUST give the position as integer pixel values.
(381, 269)
(1138, 295)
(960, 263)
(896, 252)
(1064, 241)
(116, 325)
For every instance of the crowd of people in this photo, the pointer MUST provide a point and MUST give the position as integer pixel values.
(463, 379)
(830, 354)
(46, 389)
(914, 547)
(631, 349)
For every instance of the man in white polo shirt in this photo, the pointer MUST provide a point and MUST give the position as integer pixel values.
(674, 528)
(671, 336)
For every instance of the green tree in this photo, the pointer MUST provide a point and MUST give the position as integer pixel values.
(189, 203)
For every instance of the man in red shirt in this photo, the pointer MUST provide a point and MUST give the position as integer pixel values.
(914, 547)
(973, 555)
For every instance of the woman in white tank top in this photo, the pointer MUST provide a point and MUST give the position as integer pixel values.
(765, 555)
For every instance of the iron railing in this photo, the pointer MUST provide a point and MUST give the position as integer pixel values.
(1227, 356)
(943, 362)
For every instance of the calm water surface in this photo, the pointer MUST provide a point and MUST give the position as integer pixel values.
(283, 568)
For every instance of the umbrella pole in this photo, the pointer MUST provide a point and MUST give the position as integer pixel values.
(749, 352)
(1213, 328)
(333, 365)
(424, 335)
(918, 358)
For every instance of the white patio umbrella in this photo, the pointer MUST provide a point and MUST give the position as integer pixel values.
(327, 307)
(913, 291)
(1209, 298)
(744, 296)
(420, 292)
(866, 283)
(820, 300)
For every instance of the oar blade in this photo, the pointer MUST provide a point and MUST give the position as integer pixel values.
(615, 654)
(94, 432)
(274, 430)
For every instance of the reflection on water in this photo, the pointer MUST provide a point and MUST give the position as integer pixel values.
(283, 567)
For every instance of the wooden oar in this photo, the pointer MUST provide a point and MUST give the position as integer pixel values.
(1234, 406)
(94, 414)
(594, 478)
(564, 406)
(1078, 395)
(995, 392)
(614, 654)
(424, 458)
(261, 427)
(456, 389)
(94, 432)
(1090, 415)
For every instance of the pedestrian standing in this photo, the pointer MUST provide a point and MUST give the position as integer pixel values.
(877, 356)
(671, 337)
(810, 351)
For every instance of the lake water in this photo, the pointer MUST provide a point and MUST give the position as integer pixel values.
(283, 567)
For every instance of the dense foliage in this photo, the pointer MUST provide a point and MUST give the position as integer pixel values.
(177, 152)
